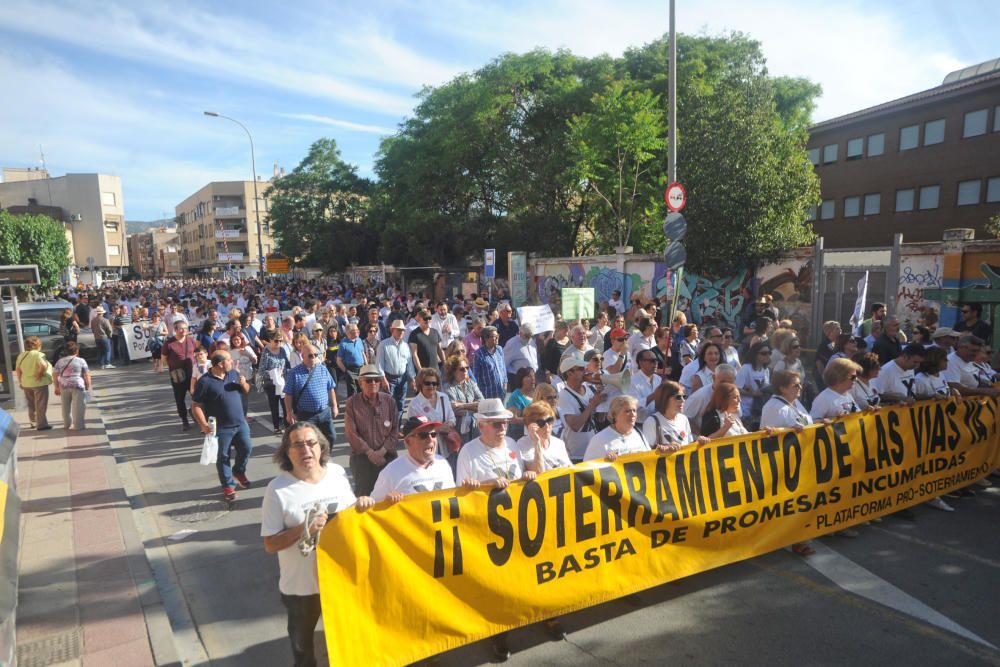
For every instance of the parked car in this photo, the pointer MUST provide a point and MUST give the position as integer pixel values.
(51, 309)
(52, 341)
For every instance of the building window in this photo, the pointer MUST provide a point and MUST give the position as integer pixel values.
(852, 207)
(993, 190)
(876, 144)
(813, 154)
(855, 148)
(111, 226)
(929, 196)
(904, 200)
(975, 123)
(996, 119)
(107, 199)
(968, 192)
(873, 204)
(826, 210)
(114, 250)
(934, 132)
(811, 213)
(829, 153)
(909, 137)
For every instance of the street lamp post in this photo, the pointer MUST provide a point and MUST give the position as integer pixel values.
(256, 201)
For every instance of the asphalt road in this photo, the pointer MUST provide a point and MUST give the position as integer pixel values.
(916, 593)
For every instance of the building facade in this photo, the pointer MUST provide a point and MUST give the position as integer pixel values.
(155, 253)
(217, 228)
(917, 165)
(92, 210)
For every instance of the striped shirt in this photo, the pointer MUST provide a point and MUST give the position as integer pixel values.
(491, 372)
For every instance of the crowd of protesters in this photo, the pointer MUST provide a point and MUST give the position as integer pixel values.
(477, 397)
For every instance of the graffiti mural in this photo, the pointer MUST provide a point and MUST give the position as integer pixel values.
(979, 282)
(718, 300)
(790, 283)
(604, 279)
(918, 275)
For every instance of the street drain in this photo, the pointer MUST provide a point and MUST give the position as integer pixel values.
(50, 650)
(199, 512)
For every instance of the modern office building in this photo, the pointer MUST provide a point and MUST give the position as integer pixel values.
(217, 226)
(90, 207)
(917, 165)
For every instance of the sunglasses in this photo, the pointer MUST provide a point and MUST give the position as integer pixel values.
(426, 435)
(371, 380)
(619, 340)
(548, 421)
(463, 368)
(680, 397)
(432, 384)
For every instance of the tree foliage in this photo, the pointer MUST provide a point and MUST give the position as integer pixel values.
(320, 211)
(34, 239)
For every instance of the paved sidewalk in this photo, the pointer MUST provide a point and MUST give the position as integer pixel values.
(87, 594)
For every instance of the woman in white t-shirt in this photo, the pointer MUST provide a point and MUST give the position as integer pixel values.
(929, 382)
(721, 418)
(668, 428)
(620, 437)
(864, 392)
(709, 357)
(434, 404)
(539, 449)
(784, 410)
(753, 381)
(836, 400)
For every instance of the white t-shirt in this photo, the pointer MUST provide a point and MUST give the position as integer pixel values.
(570, 403)
(779, 413)
(285, 503)
(865, 395)
(477, 461)
(732, 357)
(894, 380)
(658, 429)
(929, 386)
(694, 406)
(554, 456)
(689, 370)
(640, 388)
(404, 475)
(609, 440)
(830, 404)
(610, 358)
(961, 372)
(637, 343)
(750, 378)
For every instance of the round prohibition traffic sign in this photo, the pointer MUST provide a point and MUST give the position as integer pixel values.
(675, 197)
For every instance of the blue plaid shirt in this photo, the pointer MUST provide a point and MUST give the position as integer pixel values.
(491, 372)
(314, 396)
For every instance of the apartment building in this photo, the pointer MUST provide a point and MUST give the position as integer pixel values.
(217, 228)
(90, 206)
(917, 165)
(155, 253)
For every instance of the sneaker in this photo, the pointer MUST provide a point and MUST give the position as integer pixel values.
(229, 493)
(47, 427)
(848, 532)
(242, 480)
(939, 504)
(109, 366)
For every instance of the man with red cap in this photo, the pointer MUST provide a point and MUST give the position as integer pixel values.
(419, 469)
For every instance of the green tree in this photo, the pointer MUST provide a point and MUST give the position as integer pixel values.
(34, 239)
(614, 146)
(319, 212)
(993, 226)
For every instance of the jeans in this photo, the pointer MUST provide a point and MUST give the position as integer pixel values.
(103, 351)
(181, 390)
(323, 420)
(397, 389)
(303, 615)
(233, 436)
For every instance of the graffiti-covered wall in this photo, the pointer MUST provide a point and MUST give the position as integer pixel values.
(918, 275)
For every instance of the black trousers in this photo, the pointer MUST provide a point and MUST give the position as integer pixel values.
(303, 615)
(180, 391)
(272, 401)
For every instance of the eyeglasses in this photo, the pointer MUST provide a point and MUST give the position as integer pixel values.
(305, 443)
(797, 385)
(548, 421)
(852, 377)
(680, 397)
(432, 384)
(619, 340)
(426, 435)
(462, 368)
(371, 380)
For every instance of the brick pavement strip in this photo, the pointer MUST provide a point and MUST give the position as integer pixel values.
(85, 594)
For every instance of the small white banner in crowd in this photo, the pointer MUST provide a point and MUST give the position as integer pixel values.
(138, 342)
(540, 317)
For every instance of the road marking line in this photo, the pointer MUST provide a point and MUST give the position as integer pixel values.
(982, 560)
(851, 577)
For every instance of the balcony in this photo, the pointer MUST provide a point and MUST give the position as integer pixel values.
(229, 233)
(228, 211)
(230, 256)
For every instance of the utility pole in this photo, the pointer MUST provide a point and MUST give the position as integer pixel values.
(672, 101)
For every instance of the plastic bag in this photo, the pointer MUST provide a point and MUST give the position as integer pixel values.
(278, 380)
(88, 397)
(209, 449)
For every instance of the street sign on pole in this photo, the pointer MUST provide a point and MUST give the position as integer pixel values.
(675, 197)
(675, 227)
(490, 263)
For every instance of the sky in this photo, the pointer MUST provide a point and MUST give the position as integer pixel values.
(119, 86)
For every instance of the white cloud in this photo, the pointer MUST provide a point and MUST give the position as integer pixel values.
(347, 125)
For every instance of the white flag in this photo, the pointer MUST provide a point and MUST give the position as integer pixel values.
(859, 306)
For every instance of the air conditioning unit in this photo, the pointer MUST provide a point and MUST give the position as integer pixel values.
(76, 217)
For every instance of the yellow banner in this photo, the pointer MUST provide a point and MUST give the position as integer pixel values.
(447, 568)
